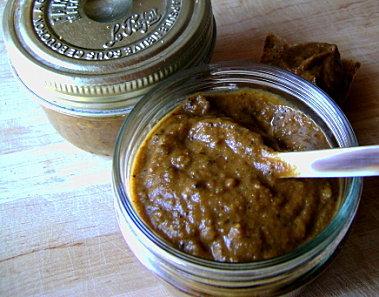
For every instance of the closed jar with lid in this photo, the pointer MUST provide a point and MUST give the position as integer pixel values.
(192, 275)
(89, 61)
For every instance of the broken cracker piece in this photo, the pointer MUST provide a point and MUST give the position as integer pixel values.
(319, 63)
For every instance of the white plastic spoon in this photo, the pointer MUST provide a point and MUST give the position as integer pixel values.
(338, 162)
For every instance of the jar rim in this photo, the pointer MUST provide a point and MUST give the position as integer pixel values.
(90, 86)
(342, 219)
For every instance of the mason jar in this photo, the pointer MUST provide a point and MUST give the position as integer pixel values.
(89, 61)
(195, 276)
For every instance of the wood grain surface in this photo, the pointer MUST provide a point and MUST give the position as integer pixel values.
(59, 235)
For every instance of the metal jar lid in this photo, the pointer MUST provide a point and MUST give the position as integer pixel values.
(91, 56)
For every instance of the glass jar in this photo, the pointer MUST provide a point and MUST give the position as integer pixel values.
(197, 276)
(89, 62)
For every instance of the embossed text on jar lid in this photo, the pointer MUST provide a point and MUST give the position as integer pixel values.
(104, 54)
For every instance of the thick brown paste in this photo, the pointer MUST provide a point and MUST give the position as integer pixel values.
(204, 181)
(93, 134)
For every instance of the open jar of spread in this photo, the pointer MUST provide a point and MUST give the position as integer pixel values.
(197, 202)
(89, 62)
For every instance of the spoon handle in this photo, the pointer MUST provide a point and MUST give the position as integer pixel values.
(338, 162)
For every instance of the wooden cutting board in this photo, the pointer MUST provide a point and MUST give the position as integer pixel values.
(59, 235)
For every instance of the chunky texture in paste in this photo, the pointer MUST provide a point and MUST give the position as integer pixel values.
(203, 179)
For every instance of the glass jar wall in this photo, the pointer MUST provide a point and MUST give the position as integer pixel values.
(197, 276)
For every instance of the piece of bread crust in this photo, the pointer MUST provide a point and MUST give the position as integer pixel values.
(319, 63)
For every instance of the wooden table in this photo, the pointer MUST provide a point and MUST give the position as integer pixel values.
(59, 235)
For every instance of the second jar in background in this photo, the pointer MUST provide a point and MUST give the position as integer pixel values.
(88, 67)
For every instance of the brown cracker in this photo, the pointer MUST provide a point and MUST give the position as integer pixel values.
(319, 63)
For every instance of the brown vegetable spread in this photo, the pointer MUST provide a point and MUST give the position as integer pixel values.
(204, 181)
(93, 134)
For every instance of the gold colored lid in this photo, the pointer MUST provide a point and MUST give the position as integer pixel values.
(86, 56)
